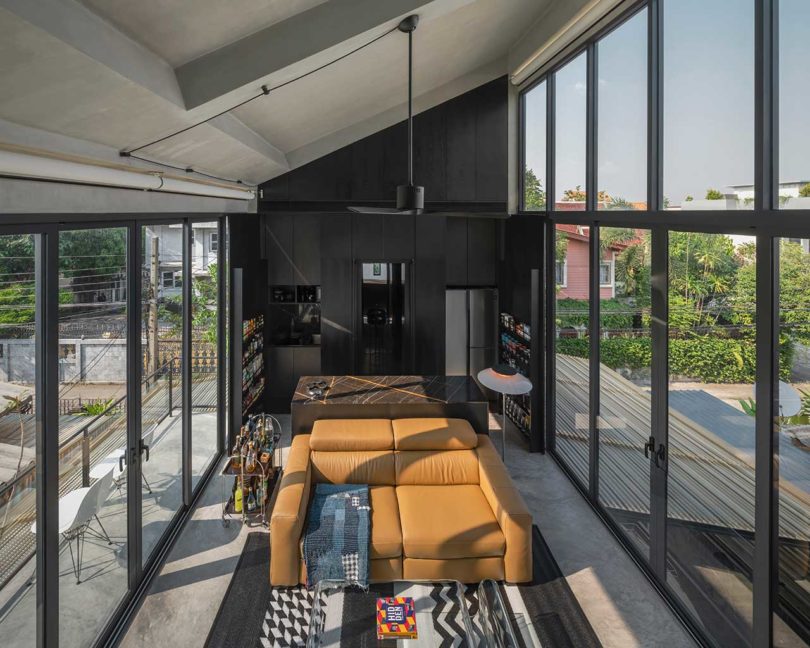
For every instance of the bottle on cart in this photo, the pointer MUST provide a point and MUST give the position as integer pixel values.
(251, 502)
(237, 496)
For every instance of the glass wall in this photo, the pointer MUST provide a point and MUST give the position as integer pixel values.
(680, 327)
(93, 378)
(708, 104)
(793, 419)
(534, 179)
(18, 506)
(570, 87)
(572, 346)
(622, 115)
(712, 365)
(204, 337)
(161, 402)
(625, 350)
(794, 141)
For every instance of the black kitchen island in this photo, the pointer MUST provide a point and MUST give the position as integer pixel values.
(391, 397)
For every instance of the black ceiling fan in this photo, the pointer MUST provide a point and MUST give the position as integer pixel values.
(411, 197)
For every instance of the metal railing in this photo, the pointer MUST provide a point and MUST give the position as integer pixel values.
(100, 436)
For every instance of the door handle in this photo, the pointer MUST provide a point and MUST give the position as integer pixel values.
(649, 447)
(661, 455)
(145, 448)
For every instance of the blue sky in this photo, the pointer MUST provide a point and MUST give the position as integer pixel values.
(708, 102)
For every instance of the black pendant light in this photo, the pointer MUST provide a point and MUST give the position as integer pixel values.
(411, 197)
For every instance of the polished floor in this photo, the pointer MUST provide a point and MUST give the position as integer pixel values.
(86, 606)
(622, 606)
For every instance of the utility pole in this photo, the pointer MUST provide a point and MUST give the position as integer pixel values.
(154, 277)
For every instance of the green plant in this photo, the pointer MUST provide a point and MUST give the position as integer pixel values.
(688, 199)
(713, 194)
(97, 408)
(804, 192)
(620, 203)
(749, 406)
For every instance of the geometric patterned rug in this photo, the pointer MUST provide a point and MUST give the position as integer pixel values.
(543, 612)
(349, 616)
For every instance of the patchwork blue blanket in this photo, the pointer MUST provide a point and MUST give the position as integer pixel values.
(338, 533)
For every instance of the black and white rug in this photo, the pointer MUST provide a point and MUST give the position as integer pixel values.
(255, 615)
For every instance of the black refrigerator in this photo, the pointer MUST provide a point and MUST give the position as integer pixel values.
(471, 332)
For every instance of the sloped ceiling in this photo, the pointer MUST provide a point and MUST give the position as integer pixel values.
(123, 73)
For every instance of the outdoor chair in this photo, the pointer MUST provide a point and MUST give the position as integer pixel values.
(76, 510)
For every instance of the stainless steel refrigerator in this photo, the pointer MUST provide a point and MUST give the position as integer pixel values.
(472, 332)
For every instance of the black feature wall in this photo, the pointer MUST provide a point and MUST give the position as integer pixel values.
(310, 238)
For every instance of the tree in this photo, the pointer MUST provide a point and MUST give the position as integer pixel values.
(804, 192)
(713, 194)
(534, 198)
(574, 195)
(703, 270)
(620, 203)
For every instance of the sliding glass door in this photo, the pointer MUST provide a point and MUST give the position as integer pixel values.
(162, 412)
(93, 431)
(18, 441)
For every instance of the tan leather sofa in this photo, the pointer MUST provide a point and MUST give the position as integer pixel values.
(442, 503)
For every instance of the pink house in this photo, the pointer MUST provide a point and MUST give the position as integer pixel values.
(572, 272)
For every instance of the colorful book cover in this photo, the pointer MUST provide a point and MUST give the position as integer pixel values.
(396, 618)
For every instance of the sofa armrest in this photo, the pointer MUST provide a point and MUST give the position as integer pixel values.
(510, 511)
(289, 514)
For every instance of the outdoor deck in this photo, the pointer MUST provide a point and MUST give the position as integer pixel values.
(710, 481)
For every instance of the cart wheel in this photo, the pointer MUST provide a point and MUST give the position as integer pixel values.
(226, 523)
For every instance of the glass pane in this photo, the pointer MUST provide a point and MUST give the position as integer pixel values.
(570, 135)
(792, 625)
(92, 430)
(709, 104)
(794, 143)
(622, 149)
(571, 354)
(712, 365)
(161, 400)
(18, 438)
(204, 360)
(534, 197)
(625, 349)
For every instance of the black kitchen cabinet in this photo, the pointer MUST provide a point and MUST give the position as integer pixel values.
(482, 251)
(456, 256)
(278, 230)
(306, 256)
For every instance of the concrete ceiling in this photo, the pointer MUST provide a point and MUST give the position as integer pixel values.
(122, 73)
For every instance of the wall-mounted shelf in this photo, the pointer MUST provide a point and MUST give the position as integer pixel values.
(515, 350)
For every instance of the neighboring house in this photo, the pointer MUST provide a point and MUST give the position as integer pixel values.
(573, 272)
(204, 246)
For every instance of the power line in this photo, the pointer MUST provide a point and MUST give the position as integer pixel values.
(265, 91)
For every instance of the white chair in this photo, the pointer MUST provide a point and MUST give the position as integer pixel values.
(76, 510)
(113, 460)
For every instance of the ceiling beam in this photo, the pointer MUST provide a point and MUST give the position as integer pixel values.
(318, 35)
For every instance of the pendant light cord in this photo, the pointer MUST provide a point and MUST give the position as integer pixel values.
(265, 91)
(410, 108)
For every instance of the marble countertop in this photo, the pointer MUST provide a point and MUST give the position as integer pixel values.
(360, 390)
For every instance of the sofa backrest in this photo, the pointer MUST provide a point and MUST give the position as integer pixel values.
(424, 451)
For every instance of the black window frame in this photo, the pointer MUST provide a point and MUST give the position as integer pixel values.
(766, 221)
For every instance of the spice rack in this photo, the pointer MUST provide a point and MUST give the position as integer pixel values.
(253, 473)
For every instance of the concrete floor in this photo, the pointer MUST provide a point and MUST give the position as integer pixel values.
(622, 606)
(85, 607)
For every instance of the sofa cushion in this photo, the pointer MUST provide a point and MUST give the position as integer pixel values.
(347, 435)
(442, 522)
(436, 467)
(433, 434)
(373, 467)
(386, 532)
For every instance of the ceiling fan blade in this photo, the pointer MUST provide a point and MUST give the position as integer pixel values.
(462, 214)
(377, 210)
